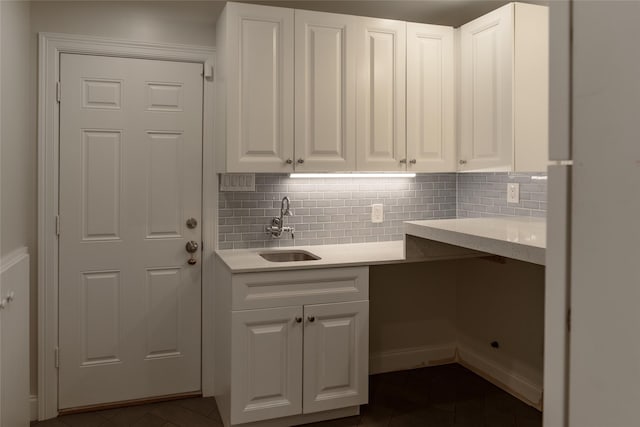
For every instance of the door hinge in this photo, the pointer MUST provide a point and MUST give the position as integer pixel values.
(58, 225)
(58, 91)
(207, 72)
(56, 356)
(569, 320)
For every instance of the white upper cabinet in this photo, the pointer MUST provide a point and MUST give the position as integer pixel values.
(325, 91)
(254, 82)
(486, 80)
(430, 98)
(503, 108)
(308, 91)
(381, 56)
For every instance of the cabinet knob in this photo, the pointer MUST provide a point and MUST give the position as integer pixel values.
(403, 161)
(298, 319)
(301, 161)
(288, 161)
(311, 319)
(413, 161)
(462, 162)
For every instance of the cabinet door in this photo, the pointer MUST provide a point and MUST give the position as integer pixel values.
(325, 91)
(486, 104)
(266, 364)
(336, 355)
(430, 99)
(259, 94)
(381, 142)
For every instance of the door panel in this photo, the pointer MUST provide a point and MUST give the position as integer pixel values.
(260, 88)
(486, 80)
(266, 359)
(130, 176)
(325, 91)
(430, 99)
(381, 95)
(336, 355)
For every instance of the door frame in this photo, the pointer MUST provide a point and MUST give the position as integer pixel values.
(51, 46)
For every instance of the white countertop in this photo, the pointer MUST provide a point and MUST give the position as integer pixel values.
(520, 238)
(248, 260)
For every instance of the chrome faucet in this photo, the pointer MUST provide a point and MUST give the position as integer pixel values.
(277, 223)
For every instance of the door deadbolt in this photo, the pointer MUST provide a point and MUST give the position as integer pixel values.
(192, 223)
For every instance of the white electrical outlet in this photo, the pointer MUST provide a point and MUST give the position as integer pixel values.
(513, 193)
(237, 182)
(377, 213)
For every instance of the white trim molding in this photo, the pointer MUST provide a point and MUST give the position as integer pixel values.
(51, 46)
(412, 358)
(33, 407)
(501, 376)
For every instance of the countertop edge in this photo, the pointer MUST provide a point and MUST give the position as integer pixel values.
(513, 250)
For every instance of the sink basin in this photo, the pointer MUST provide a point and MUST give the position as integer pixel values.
(289, 256)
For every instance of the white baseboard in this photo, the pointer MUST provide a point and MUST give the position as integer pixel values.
(410, 358)
(502, 377)
(33, 407)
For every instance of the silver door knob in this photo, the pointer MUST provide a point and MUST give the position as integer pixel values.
(191, 246)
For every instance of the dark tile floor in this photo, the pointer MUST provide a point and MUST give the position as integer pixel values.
(443, 396)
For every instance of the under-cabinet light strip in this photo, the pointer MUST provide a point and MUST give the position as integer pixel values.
(352, 175)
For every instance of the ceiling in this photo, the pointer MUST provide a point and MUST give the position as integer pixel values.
(443, 12)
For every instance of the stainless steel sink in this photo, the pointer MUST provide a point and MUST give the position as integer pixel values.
(289, 256)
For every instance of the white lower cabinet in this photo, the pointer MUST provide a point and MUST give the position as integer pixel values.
(336, 354)
(305, 358)
(266, 368)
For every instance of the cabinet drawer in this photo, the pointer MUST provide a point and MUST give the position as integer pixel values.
(299, 287)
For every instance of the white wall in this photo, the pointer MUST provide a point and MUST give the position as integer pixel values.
(17, 143)
(412, 315)
(503, 303)
(183, 22)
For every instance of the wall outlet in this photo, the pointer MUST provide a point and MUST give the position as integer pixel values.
(513, 193)
(237, 182)
(377, 213)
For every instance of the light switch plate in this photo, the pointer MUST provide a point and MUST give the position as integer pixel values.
(377, 213)
(237, 182)
(513, 193)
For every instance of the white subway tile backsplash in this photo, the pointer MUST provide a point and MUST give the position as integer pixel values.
(338, 210)
(485, 194)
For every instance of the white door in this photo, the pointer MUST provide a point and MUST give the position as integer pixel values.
(259, 77)
(486, 92)
(381, 142)
(325, 91)
(130, 177)
(266, 364)
(430, 99)
(336, 355)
